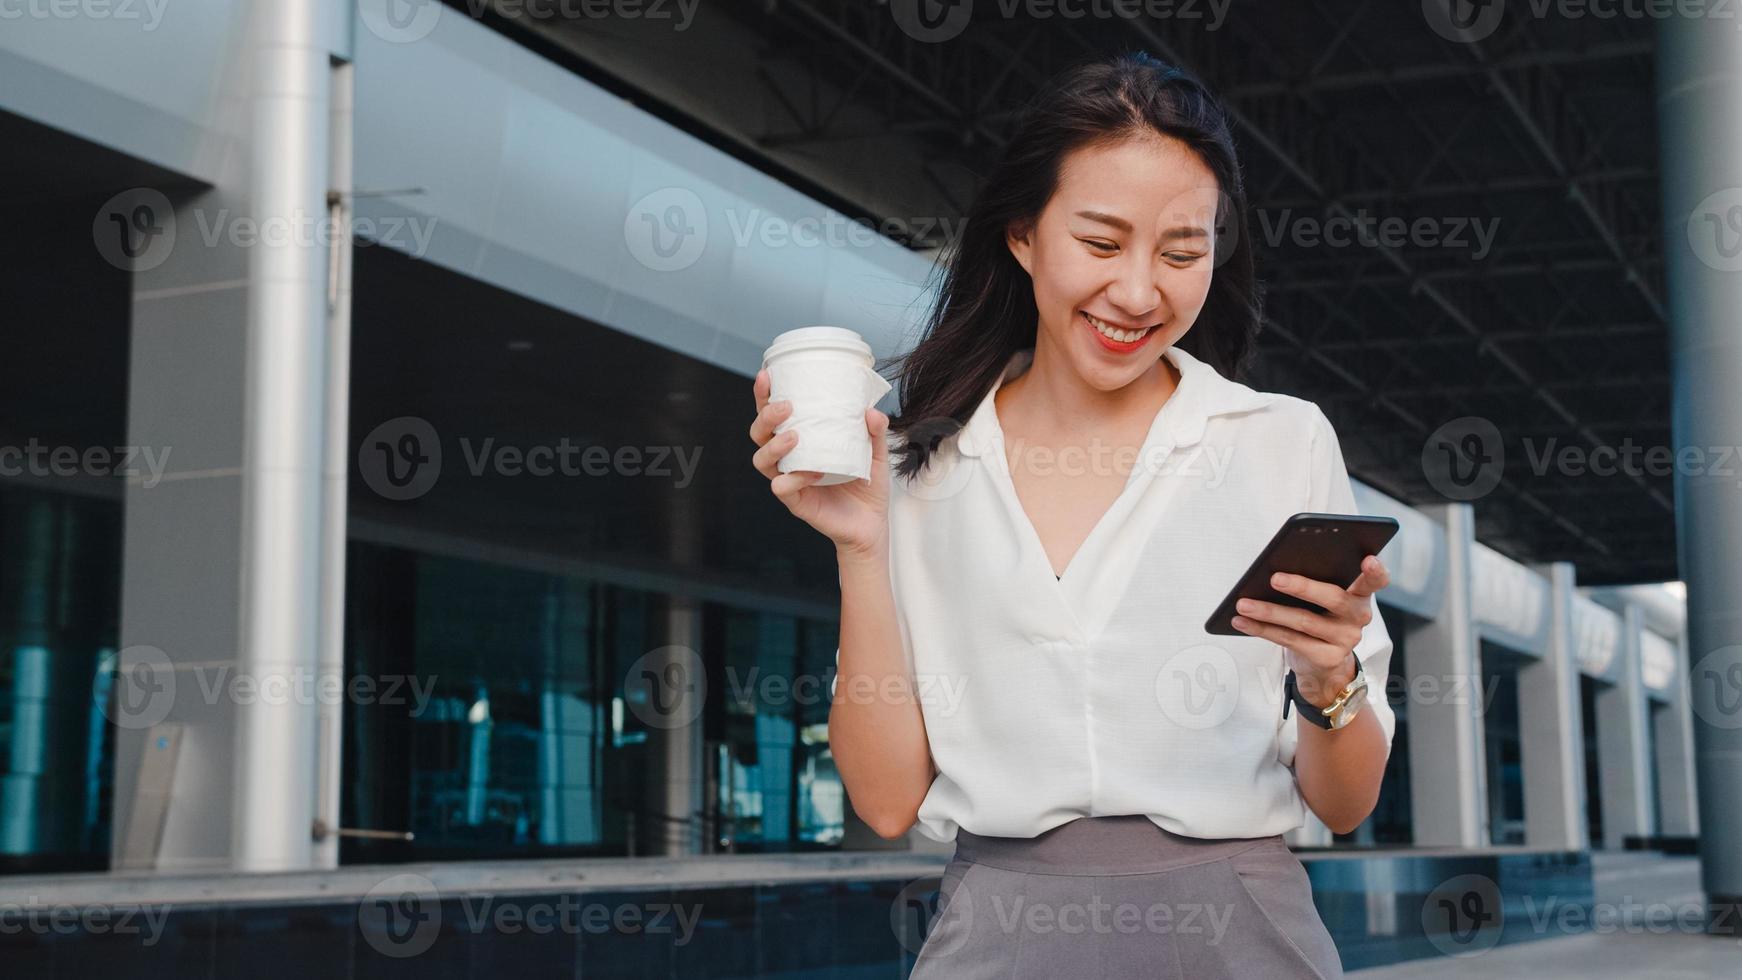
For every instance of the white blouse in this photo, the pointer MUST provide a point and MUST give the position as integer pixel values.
(1049, 698)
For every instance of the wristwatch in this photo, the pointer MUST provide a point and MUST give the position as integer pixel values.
(1339, 712)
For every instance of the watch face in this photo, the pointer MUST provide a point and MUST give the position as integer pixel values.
(1351, 704)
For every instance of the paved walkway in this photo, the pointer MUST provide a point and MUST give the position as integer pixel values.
(1634, 892)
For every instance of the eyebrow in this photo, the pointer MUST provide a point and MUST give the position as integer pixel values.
(1172, 234)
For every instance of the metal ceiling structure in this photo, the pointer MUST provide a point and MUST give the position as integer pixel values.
(1520, 155)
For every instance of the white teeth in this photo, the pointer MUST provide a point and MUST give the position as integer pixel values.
(1123, 336)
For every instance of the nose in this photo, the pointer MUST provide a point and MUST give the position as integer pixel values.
(1136, 291)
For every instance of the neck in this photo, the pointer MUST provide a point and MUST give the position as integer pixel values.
(1052, 401)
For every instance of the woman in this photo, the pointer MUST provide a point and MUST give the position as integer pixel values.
(1023, 666)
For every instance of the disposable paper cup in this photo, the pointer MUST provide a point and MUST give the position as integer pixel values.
(826, 372)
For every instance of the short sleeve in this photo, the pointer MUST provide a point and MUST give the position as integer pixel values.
(1330, 492)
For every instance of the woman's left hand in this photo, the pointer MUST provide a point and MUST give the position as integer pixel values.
(1322, 644)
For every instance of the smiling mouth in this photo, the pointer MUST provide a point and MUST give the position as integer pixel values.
(1116, 334)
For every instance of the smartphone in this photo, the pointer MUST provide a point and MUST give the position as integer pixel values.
(1326, 547)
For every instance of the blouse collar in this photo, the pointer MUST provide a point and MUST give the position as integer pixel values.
(1201, 394)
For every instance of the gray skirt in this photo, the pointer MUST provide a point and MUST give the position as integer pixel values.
(1118, 897)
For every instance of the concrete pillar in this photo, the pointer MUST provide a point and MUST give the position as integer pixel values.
(1448, 787)
(1699, 84)
(1623, 749)
(221, 600)
(277, 739)
(1673, 750)
(336, 468)
(181, 577)
(671, 821)
(1551, 733)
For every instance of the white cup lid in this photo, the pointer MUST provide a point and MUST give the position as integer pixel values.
(818, 338)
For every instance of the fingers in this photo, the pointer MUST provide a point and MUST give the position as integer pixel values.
(760, 388)
(877, 424)
(767, 459)
(768, 416)
(788, 486)
(1317, 651)
(1337, 632)
(1374, 576)
(1331, 597)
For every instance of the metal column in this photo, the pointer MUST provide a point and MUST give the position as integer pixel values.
(1699, 87)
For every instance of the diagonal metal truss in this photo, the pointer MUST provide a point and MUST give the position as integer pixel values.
(1342, 109)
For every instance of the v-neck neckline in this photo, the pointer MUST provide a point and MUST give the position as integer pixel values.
(1115, 512)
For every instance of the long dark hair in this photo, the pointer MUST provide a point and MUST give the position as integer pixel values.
(985, 309)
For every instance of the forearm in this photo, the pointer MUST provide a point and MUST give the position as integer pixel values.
(1339, 772)
(876, 731)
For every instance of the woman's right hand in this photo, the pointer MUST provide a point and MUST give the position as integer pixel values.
(855, 514)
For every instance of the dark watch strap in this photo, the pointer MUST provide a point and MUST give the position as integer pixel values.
(1311, 712)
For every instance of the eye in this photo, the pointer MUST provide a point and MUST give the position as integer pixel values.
(1184, 256)
(1105, 248)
